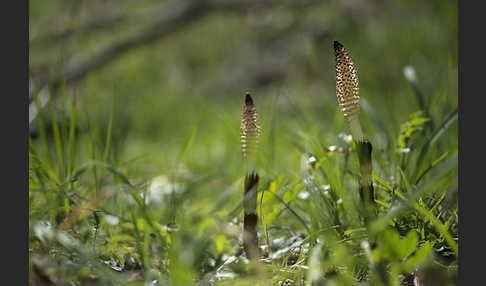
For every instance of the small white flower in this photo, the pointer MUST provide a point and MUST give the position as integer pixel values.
(304, 195)
(111, 219)
(312, 160)
(410, 74)
(326, 187)
(345, 137)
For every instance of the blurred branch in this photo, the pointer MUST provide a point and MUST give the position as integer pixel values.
(174, 17)
(111, 18)
(239, 5)
(99, 18)
(275, 58)
(105, 21)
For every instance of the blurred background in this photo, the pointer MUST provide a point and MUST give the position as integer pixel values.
(173, 68)
(162, 83)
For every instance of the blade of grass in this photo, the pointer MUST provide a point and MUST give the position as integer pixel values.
(451, 118)
(439, 201)
(299, 218)
(108, 134)
(34, 154)
(444, 126)
(118, 174)
(408, 187)
(72, 137)
(381, 203)
(42, 129)
(382, 182)
(57, 139)
(262, 221)
(64, 125)
(433, 164)
(93, 157)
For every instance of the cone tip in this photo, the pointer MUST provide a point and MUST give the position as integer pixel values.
(337, 45)
(248, 99)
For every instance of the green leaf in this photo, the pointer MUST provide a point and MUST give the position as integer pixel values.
(391, 245)
(270, 217)
(220, 241)
(392, 248)
(410, 128)
(290, 195)
(420, 256)
(408, 245)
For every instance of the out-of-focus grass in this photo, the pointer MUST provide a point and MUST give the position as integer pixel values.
(135, 174)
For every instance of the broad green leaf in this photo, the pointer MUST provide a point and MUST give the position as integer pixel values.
(420, 255)
(408, 245)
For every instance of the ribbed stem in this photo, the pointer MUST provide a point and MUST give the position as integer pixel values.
(366, 190)
(250, 219)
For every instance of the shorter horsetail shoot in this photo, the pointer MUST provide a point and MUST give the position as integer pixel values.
(249, 133)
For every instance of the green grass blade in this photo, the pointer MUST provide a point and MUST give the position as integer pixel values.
(72, 137)
(382, 182)
(57, 139)
(64, 123)
(108, 134)
(451, 118)
(433, 164)
(408, 187)
(299, 218)
(119, 174)
(444, 126)
(42, 129)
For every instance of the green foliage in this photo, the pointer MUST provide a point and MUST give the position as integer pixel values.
(410, 128)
